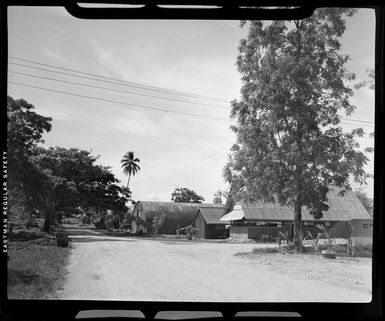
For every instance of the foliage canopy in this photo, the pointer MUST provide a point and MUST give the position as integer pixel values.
(290, 146)
(54, 180)
(185, 195)
(130, 165)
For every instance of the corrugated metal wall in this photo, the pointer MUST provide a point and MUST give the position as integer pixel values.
(238, 231)
(337, 230)
(176, 214)
(216, 231)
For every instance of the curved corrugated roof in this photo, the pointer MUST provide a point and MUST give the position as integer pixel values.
(181, 214)
(172, 210)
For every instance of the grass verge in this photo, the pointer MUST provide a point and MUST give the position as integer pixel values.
(36, 270)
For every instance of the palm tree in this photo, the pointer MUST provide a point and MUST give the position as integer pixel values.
(129, 165)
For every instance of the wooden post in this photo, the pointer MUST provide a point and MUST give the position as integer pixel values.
(61, 238)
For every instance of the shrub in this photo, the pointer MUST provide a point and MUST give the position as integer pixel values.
(284, 236)
(315, 241)
(329, 241)
(291, 249)
(265, 250)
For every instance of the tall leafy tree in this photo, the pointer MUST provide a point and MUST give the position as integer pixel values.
(185, 195)
(290, 146)
(29, 185)
(218, 196)
(79, 181)
(130, 165)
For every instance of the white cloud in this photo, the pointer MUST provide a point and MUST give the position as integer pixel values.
(152, 197)
(56, 56)
(134, 123)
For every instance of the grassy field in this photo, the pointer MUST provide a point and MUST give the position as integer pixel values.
(36, 269)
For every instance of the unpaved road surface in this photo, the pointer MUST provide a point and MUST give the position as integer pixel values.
(128, 268)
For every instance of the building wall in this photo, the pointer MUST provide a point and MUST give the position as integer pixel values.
(210, 231)
(254, 232)
(143, 224)
(216, 231)
(239, 231)
(335, 230)
(339, 229)
(362, 232)
(200, 225)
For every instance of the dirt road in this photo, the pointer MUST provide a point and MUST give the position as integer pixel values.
(117, 268)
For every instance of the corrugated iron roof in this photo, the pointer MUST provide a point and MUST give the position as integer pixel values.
(341, 208)
(173, 211)
(234, 215)
(212, 215)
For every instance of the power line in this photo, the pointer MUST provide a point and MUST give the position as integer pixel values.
(357, 120)
(118, 102)
(83, 77)
(351, 124)
(145, 107)
(126, 104)
(116, 90)
(126, 83)
(130, 83)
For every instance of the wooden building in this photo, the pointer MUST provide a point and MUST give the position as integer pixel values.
(260, 219)
(175, 215)
(362, 232)
(207, 222)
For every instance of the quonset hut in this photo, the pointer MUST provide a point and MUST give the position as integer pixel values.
(175, 215)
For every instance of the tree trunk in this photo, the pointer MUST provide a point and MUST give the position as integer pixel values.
(47, 221)
(128, 182)
(299, 187)
(49, 217)
(297, 225)
(29, 219)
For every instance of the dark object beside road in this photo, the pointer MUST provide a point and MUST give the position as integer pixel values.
(61, 238)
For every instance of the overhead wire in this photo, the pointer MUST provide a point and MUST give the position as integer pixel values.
(127, 92)
(118, 102)
(129, 83)
(140, 94)
(359, 121)
(134, 105)
(116, 90)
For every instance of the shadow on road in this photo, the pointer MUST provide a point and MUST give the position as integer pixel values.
(98, 239)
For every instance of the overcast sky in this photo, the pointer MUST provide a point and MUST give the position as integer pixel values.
(175, 149)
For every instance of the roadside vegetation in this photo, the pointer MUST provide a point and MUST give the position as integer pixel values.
(35, 271)
(49, 186)
(36, 266)
(56, 182)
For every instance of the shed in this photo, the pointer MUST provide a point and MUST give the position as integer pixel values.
(259, 218)
(175, 214)
(208, 224)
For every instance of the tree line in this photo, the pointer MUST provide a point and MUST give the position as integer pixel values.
(57, 182)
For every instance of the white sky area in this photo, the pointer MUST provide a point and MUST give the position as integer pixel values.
(175, 150)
